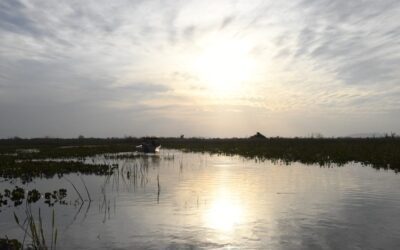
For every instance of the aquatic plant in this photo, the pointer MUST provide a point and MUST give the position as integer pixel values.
(380, 153)
(10, 244)
(17, 196)
(3, 201)
(377, 152)
(57, 196)
(33, 196)
(35, 231)
(27, 170)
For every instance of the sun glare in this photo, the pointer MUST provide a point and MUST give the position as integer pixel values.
(224, 214)
(224, 66)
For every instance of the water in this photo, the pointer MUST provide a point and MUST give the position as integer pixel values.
(221, 202)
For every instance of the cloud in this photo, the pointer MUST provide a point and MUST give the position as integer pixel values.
(227, 20)
(12, 18)
(351, 36)
(136, 57)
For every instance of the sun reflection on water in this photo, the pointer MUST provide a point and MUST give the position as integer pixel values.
(224, 213)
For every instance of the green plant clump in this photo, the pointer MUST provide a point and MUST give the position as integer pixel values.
(10, 244)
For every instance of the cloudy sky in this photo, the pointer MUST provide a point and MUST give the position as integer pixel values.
(200, 68)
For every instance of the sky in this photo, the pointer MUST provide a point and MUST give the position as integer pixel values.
(199, 68)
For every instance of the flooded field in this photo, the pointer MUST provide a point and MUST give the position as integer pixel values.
(177, 200)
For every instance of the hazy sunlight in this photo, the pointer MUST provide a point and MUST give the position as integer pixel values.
(224, 66)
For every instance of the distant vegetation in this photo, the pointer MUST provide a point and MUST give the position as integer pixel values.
(377, 152)
(381, 152)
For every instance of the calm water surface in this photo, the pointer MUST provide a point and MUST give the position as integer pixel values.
(198, 201)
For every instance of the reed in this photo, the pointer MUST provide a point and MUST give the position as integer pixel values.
(158, 188)
(35, 230)
(76, 190)
(87, 191)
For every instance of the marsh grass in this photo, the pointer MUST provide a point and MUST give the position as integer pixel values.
(377, 152)
(35, 231)
(380, 153)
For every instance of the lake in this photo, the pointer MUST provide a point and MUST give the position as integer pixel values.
(178, 200)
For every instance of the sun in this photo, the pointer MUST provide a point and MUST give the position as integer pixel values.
(224, 66)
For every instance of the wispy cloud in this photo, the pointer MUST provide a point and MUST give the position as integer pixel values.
(66, 64)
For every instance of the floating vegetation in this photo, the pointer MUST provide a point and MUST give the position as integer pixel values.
(27, 170)
(33, 196)
(27, 151)
(57, 196)
(17, 196)
(3, 201)
(10, 244)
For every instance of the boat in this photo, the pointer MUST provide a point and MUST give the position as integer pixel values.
(151, 147)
